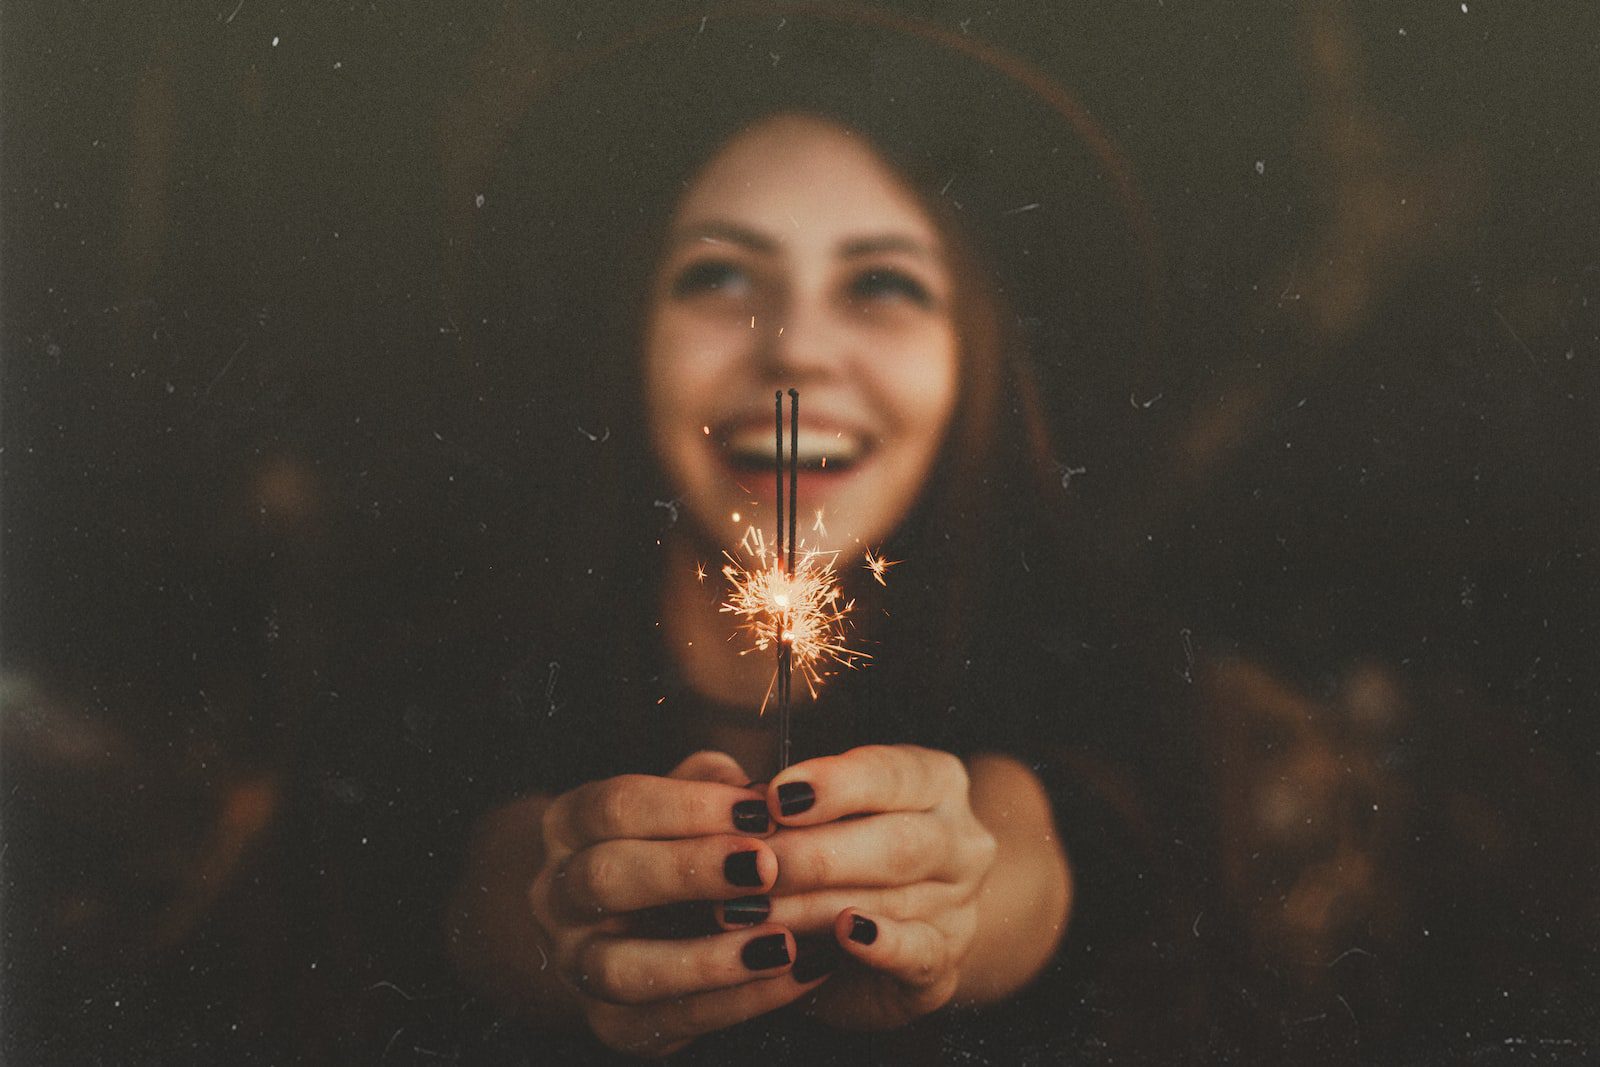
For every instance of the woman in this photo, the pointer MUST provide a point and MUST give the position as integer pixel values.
(910, 859)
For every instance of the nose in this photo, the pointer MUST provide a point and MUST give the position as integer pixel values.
(807, 341)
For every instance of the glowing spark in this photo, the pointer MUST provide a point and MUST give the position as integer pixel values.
(804, 610)
(706, 430)
(879, 566)
(817, 526)
(700, 572)
(736, 516)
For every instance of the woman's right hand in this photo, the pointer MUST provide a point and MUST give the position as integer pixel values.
(612, 849)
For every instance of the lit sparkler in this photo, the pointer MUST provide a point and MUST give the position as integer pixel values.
(803, 611)
(788, 600)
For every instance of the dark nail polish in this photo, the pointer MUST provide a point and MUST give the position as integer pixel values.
(863, 930)
(795, 797)
(814, 959)
(746, 911)
(750, 816)
(766, 952)
(740, 869)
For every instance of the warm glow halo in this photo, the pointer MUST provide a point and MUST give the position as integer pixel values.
(805, 610)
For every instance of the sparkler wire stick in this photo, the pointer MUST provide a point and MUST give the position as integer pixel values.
(781, 683)
(794, 469)
(794, 514)
(777, 466)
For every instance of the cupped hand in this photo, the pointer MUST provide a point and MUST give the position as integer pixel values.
(615, 849)
(880, 848)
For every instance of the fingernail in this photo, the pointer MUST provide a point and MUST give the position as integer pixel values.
(766, 952)
(740, 869)
(815, 959)
(863, 930)
(746, 911)
(750, 816)
(795, 797)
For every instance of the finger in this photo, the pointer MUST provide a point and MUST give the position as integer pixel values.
(808, 913)
(710, 766)
(636, 971)
(558, 918)
(880, 850)
(912, 951)
(667, 1026)
(623, 876)
(873, 778)
(695, 918)
(641, 806)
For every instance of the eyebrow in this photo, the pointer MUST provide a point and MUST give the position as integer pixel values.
(854, 248)
(732, 233)
(891, 242)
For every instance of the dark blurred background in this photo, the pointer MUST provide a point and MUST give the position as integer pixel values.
(241, 471)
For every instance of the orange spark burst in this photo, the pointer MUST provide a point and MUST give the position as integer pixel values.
(804, 610)
(879, 566)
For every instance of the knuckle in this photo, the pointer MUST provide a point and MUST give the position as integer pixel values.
(953, 772)
(692, 1017)
(611, 1026)
(936, 957)
(689, 1016)
(819, 865)
(615, 799)
(906, 847)
(602, 1020)
(982, 846)
(891, 769)
(965, 928)
(706, 969)
(590, 876)
(550, 824)
(606, 974)
(939, 993)
(897, 903)
(697, 807)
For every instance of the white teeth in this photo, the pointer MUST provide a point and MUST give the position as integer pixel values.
(752, 444)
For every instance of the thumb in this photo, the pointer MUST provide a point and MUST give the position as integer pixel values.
(710, 766)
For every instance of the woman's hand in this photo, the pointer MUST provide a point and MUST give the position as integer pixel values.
(897, 887)
(606, 854)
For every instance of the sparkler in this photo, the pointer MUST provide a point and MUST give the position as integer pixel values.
(803, 613)
(787, 599)
(790, 599)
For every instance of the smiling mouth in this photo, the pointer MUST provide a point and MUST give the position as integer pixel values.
(750, 449)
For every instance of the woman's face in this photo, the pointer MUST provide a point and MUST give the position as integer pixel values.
(798, 258)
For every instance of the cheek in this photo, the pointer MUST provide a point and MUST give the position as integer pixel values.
(685, 359)
(920, 383)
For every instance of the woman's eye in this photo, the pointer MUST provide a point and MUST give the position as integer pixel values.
(709, 276)
(890, 285)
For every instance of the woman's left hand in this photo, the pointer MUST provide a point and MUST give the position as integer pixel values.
(897, 886)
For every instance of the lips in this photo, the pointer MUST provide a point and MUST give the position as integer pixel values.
(821, 449)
